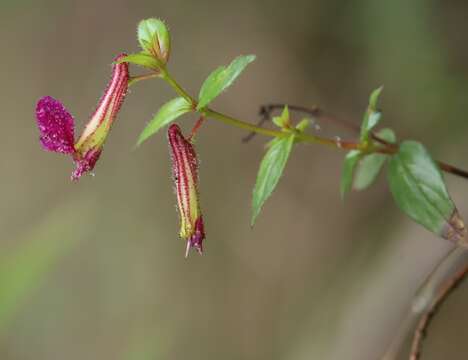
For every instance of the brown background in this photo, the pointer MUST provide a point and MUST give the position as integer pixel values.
(317, 278)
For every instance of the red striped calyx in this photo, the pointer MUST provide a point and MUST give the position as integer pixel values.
(56, 125)
(185, 172)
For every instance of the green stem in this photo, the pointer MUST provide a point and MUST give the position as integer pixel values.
(209, 113)
(276, 133)
(175, 85)
(135, 79)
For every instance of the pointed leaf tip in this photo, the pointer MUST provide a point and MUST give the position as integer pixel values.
(347, 176)
(369, 167)
(372, 115)
(220, 79)
(419, 190)
(169, 112)
(374, 98)
(141, 59)
(454, 230)
(270, 171)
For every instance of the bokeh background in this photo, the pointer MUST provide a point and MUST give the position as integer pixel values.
(95, 269)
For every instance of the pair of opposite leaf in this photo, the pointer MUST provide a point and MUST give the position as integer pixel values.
(415, 180)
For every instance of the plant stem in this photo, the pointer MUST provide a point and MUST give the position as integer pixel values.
(312, 139)
(178, 89)
(425, 321)
(316, 112)
(135, 79)
(425, 298)
(386, 147)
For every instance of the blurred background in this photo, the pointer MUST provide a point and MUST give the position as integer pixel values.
(95, 269)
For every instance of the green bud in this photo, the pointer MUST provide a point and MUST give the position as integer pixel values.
(154, 39)
(283, 120)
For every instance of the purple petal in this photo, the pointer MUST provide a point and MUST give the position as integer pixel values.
(56, 126)
(196, 240)
(86, 163)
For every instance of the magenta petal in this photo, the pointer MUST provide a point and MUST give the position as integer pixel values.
(86, 163)
(196, 240)
(56, 126)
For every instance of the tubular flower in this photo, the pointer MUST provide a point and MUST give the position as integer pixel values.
(185, 172)
(56, 125)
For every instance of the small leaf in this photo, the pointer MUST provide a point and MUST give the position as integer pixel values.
(282, 121)
(303, 125)
(142, 59)
(374, 98)
(369, 167)
(166, 114)
(387, 134)
(372, 115)
(222, 78)
(154, 38)
(347, 175)
(271, 169)
(419, 190)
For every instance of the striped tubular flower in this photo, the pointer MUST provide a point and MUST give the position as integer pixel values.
(56, 125)
(185, 172)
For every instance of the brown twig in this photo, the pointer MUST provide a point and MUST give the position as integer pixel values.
(425, 321)
(267, 110)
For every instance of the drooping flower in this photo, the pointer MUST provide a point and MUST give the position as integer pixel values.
(185, 172)
(56, 125)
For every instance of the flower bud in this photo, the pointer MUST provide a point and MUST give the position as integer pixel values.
(154, 38)
(185, 172)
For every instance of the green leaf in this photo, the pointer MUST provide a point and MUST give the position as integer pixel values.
(303, 125)
(374, 98)
(271, 169)
(282, 121)
(154, 38)
(369, 167)
(142, 59)
(166, 114)
(347, 175)
(372, 115)
(419, 190)
(387, 134)
(222, 78)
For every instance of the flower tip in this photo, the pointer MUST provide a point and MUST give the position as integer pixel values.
(120, 57)
(85, 163)
(174, 129)
(190, 244)
(196, 240)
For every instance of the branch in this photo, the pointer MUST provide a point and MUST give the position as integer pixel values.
(426, 320)
(425, 297)
(316, 112)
